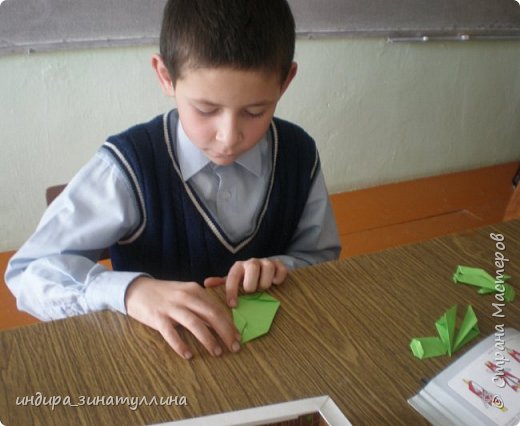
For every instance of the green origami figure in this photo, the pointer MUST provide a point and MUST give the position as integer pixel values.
(447, 342)
(254, 315)
(487, 284)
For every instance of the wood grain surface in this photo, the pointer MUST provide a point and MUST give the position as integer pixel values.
(343, 330)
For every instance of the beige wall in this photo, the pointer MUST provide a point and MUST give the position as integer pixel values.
(379, 112)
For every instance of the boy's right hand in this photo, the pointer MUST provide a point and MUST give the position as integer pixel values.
(163, 305)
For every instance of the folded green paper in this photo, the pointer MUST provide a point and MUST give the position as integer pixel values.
(468, 330)
(254, 315)
(479, 278)
(445, 326)
(447, 343)
(427, 347)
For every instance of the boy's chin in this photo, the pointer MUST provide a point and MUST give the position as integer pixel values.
(223, 160)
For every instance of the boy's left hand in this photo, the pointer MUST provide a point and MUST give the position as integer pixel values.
(254, 274)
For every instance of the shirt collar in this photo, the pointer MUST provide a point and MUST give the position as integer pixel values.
(192, 160)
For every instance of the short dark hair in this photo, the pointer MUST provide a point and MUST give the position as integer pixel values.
(241, 34)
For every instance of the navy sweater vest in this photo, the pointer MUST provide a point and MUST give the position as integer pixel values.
(177, 238)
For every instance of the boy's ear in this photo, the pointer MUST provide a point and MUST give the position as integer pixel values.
(163, 74)
(290, 75)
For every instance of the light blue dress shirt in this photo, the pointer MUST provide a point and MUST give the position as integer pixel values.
(55, 274)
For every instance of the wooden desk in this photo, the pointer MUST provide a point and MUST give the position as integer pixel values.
(343, 330)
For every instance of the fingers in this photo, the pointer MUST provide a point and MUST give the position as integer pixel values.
(201, 314)
(163, 305)
(253, 274)
(280, 272)
(267, 271)
(233, 280)
(170, 334)
(214, 282)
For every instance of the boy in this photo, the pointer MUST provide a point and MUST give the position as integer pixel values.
(216, 192)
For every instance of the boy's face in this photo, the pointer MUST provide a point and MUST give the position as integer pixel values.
(226, 112)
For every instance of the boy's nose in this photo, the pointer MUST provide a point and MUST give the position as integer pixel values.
(229, 133)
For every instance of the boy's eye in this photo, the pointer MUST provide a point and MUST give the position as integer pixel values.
(206, 112)
(255, 114)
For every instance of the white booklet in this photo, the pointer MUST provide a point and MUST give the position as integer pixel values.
(482, 387)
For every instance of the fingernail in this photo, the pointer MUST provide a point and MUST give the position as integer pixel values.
(218, 351)
(235, 347)
(232, 303)
(188, 355)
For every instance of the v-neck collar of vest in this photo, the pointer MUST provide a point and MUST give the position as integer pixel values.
(215, 228)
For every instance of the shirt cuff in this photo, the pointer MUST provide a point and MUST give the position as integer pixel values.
(291, 262)
(108, 290)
